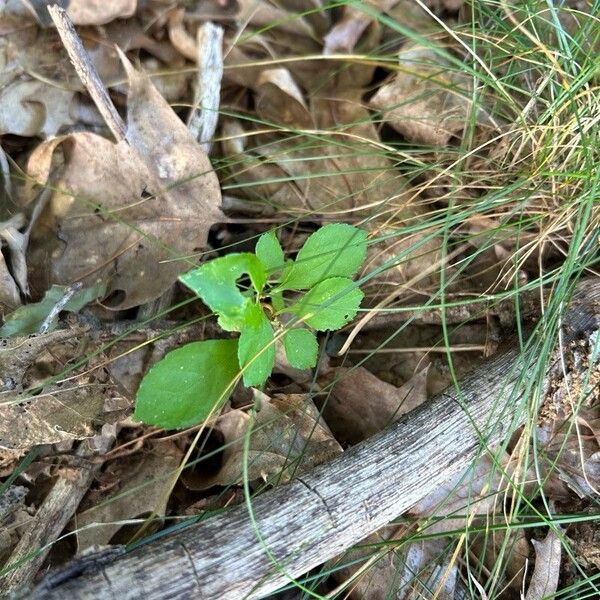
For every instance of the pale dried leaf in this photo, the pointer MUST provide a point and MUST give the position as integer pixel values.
(345, 34)
(544, 580)
(99, 12)
(17, 244)
(35, 108)
(9, 291)
(143, 489)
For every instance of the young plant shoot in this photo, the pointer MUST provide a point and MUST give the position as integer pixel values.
(288, 300)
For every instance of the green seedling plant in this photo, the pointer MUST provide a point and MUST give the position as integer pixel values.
(285, 300)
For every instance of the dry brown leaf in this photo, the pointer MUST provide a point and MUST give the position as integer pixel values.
(345, 34)
(32, 108)
(99, 12)
(280, 100)
(121, 210)
(288, 437)
(143, 488)
(359, 404)
(544, 580)
(426, 101)
(60, 411)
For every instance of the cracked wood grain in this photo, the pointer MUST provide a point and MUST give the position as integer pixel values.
(337, 504)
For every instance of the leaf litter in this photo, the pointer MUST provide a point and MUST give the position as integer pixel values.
(306, 134)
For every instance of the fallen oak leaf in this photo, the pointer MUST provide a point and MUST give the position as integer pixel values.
(124, 211)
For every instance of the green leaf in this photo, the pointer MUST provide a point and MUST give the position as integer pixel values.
(336, 250)
(301, 348)
(28, 319)
(269, 252)
(188, 385)
(256, 349)
(277, 301)
(216, 283)
(330, 304)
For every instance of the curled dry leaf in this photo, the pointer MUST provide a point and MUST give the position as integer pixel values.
(358, 404)
(124, 214)
(426, 101)
(142, 488)
(288, 437)
(10, 297)
(59, 411)
(280, 100)
(32, 105)
(344, 35)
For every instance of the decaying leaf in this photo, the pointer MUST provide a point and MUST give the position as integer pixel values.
(280, 100)
(358, 404)
(59, 411)
(288, 436)
(99, 12)
(426, 101)
(142, 488)
(124, 214)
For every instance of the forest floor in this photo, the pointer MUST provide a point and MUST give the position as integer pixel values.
(463, 138)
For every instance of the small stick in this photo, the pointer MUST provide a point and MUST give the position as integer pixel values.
(69, 293)
(86, 71)
(205, 114)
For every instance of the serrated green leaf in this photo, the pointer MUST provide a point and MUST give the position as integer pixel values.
(301, 348)
(336, 250)
(188, 385)
(216, 283)
(28, 319)
(269, 252)
(256, 349)
(330, 304)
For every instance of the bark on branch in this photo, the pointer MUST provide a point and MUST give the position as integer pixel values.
(320, 515)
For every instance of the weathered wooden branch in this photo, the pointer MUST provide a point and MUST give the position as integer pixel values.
(87, 71)
(205, 113)
(52, 517)
(321, 514)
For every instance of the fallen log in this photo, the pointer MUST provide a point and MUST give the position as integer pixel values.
(296, 527)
